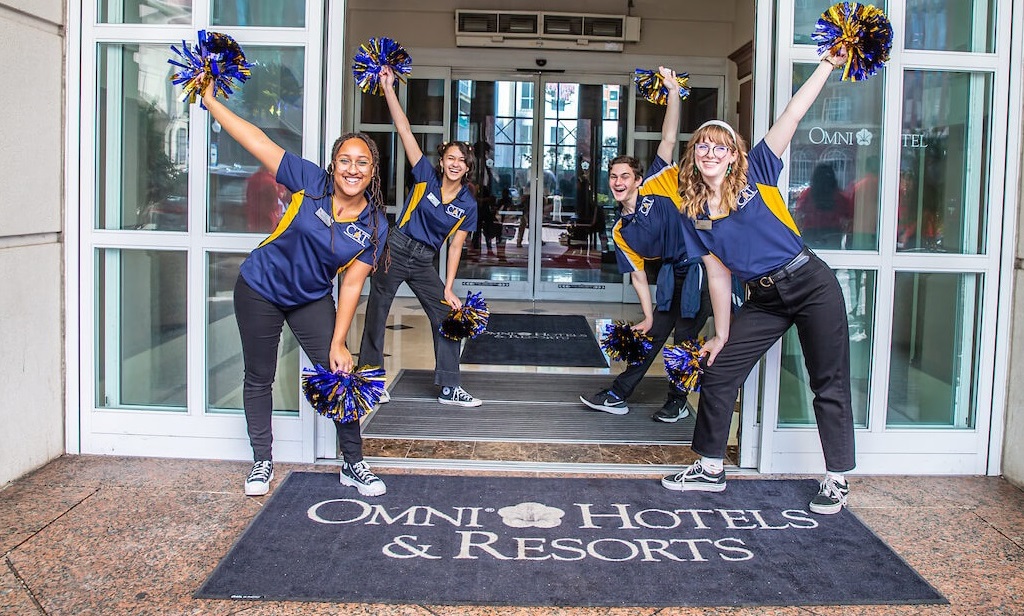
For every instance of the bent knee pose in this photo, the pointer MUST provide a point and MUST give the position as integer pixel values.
(335, 225)
(650, 227)
(439, 206)
(738, 221)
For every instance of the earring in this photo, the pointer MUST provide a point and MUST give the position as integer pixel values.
(695, 172)
(728, 170)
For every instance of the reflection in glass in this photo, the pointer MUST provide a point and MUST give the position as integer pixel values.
(386, 143)
(224, 367)
(795, 396)
(144, 12)
(429, 97)
(699, 107)
(951, 25)
(944, 166)
(806, 14)
(141, 308)
(244, 197)
(141, 141)
(271, 13)
(933, 374)
(834, 163)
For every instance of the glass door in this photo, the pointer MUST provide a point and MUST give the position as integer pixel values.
(542, 147)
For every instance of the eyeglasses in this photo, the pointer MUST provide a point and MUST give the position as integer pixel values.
(361, 164)
(719, 151)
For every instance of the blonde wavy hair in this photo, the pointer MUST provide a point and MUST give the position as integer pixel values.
(692, 189)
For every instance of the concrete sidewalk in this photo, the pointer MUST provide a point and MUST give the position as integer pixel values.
(110, 535)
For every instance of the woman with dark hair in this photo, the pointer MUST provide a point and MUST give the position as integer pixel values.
(335, 225)
(738, 222)
(823, 211)
(439, 207)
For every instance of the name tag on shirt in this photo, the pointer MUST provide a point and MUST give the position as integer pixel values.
(433, 200)
(702, 224)
(324, 216)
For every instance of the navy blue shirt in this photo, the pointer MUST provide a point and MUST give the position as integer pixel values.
(299, 261)
(425, 218)
(654, 230)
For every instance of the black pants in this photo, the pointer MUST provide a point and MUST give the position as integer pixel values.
(259, 324)
(412, 262)
(812, 300)
(665, 323)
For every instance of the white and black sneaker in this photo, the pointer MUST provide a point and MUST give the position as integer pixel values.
(673, 410)
(695, 477)
(385, 397)
(360, 477)
(831, 497)
(457, 396)
(258, 481)
(606, 400)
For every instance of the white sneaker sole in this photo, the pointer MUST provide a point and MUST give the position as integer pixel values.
(682, 415)
(258, 488)
(365, 490)
(457, 403)
(614, 410)
(384, 398)
(826, 509)
(693, 486)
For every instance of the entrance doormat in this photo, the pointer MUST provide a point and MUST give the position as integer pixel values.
(536, 340)
(528, 541)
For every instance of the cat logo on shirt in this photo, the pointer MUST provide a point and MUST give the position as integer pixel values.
(748, 193)
(454, 211)
(357, 234)
(645, 205)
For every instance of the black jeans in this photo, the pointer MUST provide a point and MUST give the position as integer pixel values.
(665, 323)
(259, 325)
(412, 262)
(812, 300)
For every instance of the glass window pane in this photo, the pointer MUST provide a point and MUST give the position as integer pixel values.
(141, 308)
(834, 162)
(386, 143)
(806, 14)
(951, 25)
(224, 367)
(795, 396)
(145, 11)
(429, 97)
(373, 109)
(274, 13)
(242, 196)
(944, 162)
(699, 107)
(141, 141)
(933, 374)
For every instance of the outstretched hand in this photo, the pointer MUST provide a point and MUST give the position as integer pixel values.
(837, 59)
(668, 77)
(387, 77)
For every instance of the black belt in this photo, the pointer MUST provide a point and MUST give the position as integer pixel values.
(784, 272)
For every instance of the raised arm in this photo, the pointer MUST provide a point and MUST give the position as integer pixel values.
(670, 125)
(782, 131)
(412, 147)
(248, 135)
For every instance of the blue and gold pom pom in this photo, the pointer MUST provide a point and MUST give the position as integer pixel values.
(863, 30)
(469, 321)
(217, 58)
(682, 365)
(372, 56)
(343, 396)
(623, 343)
(651, 87)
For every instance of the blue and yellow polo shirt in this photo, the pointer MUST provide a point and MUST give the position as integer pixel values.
(760, 236)
(425, 218)
(299, 261)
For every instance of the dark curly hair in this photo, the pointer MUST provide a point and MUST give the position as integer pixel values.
(467, 152)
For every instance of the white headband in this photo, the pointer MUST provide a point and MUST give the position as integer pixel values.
(721, 124)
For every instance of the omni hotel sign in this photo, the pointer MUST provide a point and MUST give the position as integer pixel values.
(863, 137)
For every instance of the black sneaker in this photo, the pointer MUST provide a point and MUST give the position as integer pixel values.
(695, 477)
(673, 410)
(831, 497)
(258, 481)
(606, 400)
(360, 477)
(457, 396)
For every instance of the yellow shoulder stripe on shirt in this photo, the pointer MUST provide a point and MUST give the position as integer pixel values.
(417, 195)
(664, 183)
(454, 228)
(289, 216)
(636, 260)
(773, 199)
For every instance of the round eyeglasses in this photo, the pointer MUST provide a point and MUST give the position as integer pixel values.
(718, 151)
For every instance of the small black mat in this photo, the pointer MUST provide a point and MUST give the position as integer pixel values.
(536, 340)
(525, 406)
(531, 541)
